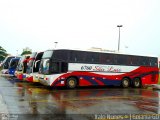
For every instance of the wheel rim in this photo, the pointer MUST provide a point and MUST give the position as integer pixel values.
(71, 83)
(137, 82)
(125, 83)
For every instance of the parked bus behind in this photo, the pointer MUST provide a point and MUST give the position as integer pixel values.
(33, 66)
(5, 64)
(13, 65)
(22, 67)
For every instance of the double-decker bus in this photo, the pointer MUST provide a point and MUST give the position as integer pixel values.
(72, 68)
(33, 66)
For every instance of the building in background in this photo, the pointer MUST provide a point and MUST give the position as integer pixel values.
(26, 50)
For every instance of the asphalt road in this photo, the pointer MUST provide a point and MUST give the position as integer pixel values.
(22, 101)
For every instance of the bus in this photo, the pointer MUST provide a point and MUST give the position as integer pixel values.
(22, 67)
(5, 64)
(13, 65)
(33, 66)
(73, 68)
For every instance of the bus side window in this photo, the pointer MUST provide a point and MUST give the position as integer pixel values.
(64, 67)
(148, 61)
(73, 56)
(143, 61)
(115, 59)
(95, 58)
(78, 56)
(108, 60)
(122, 60)
(153, 62)
(128, 60)
(55, 67)
(134, 60)
(89, 58)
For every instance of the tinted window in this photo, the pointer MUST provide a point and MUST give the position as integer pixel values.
(106, 58)
(64, 67)
(144, 61)
(60, 55)
(153, 61)
(102, 58)
(92, 57)
(54, 67)
(121, 59)
(77, 56)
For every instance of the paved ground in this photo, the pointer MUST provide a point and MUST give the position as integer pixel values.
(22, 100)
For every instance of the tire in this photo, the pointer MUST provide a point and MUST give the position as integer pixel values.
(125, 82)
(71, 83)
(137, 82)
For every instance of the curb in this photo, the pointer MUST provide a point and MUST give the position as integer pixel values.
(153, 87)
(156, 87)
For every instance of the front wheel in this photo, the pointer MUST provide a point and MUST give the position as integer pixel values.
(125, 82)
(137, 82)
(71, 82)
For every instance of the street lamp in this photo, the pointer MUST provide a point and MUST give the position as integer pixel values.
(119, 26)
(55, 44)
(17, 52)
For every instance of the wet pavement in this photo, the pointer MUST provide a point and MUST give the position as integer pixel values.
(22, 100)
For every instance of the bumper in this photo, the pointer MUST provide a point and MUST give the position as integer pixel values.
(43, 81)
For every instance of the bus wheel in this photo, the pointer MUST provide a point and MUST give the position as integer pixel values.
(71, 82)
(137, 82)
(125, 82)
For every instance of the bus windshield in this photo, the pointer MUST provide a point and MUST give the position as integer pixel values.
(20, 64)
(6, 62)
(13, 63)
(44, 67)
(48, 54)
(29, 66)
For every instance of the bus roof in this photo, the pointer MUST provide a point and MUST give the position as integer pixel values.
(116, 53)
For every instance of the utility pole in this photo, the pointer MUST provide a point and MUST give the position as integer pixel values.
(119, 26)
(55, 44)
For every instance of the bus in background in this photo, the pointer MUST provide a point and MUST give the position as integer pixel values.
(22, 67)
(72, 68)
(33, 66)
(13, 65)
(5, 64)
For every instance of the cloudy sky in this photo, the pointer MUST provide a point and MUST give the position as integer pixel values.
(80, 24)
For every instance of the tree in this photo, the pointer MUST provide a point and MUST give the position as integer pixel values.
(26, 52)
(3, 53)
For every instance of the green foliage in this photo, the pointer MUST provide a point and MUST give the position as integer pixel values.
(3, 53)
(26, 52)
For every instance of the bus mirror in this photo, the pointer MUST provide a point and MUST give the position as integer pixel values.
(36, 63)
